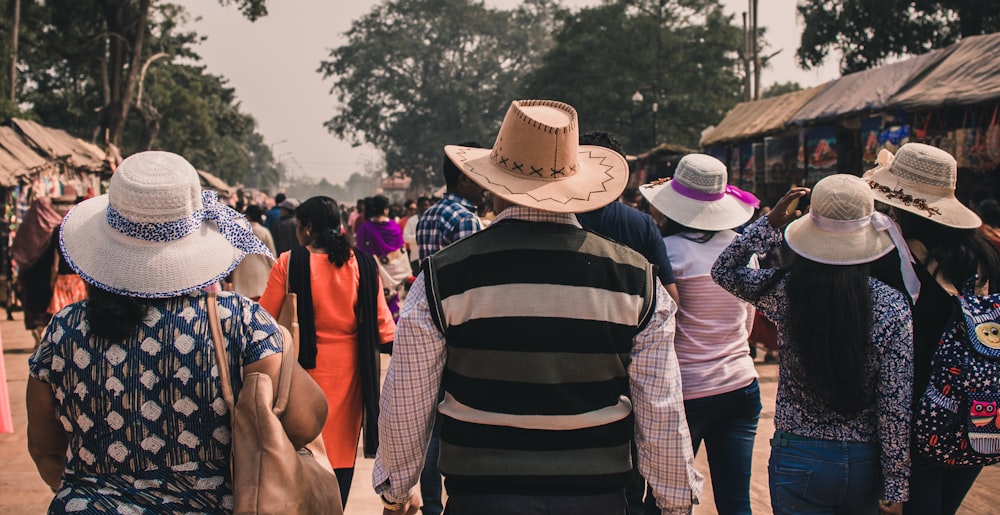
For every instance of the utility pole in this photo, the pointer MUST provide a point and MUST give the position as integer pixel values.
(745, 56)
(756, 52)
(16, 8)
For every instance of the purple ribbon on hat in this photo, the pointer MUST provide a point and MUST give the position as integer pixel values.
(225, 217)
(743, 196)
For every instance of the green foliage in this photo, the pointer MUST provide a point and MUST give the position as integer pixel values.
(780, 88)
(680, 54)
(416, 75)
(867, 32)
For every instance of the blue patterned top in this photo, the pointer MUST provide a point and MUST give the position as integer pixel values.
(147, 426)
(447, 221)
(887, 421)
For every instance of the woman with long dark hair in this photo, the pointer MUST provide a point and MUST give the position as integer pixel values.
(125, 408)
(942, 234)
(842, 414)
(343, 322)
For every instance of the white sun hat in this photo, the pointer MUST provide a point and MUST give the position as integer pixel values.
(155, 234)
(921, 179)
(699, 197)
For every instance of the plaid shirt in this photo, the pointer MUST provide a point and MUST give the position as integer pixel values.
(410, 393)
(447, 221)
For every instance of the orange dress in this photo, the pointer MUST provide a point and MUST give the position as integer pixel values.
(334, 293)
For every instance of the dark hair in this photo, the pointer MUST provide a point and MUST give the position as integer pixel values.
(452, 172)
(111, 315)
(672, 227)
(254, 213)
(829, 326)
(960, 253)
(378, 204)
(602, 139)
(989, 211)
(322, 216)
(279, 198)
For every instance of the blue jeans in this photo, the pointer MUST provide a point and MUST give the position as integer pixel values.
(430, 477)
(807, 475)
(937, 489)
(727, 423)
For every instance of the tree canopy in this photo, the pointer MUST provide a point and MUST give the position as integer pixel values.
(682, 55)
(416, 75)
(867, 32)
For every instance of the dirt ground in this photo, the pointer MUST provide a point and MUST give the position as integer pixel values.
(23, 492)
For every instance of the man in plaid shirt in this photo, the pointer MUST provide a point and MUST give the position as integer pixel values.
(454, 216)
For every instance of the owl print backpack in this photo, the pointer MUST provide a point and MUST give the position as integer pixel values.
(955, 422)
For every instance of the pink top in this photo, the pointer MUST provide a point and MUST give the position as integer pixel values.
(712, 324)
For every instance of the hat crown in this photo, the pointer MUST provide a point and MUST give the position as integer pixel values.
(842, 197)
(538, 140)
(155, 187)
(925, 164)
(702, 172)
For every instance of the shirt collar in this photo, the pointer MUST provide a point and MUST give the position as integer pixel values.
(460, 201)
(529, 214)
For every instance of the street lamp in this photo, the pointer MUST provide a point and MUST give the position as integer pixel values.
(637, 99)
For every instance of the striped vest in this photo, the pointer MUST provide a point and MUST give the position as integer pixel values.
(539, 320)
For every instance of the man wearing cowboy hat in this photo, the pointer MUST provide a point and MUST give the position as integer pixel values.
(547, 340)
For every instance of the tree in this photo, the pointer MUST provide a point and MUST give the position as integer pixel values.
(780, 88)
(416, 75)
(867, 32)
(680, 54)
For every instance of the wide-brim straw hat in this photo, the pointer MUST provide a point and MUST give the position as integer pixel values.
(699, 197)
(842, 226)
(155, 234)
(921, 179)
(537, 161)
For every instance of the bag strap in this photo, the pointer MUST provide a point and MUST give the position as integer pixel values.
(222, 359)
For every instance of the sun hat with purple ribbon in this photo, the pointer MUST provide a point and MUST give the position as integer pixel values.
(155, 234)
(699, 196)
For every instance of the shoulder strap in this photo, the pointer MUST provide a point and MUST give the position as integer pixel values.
(221, 356)
(285, 373)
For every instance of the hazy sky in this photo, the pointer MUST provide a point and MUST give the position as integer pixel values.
(272, 65)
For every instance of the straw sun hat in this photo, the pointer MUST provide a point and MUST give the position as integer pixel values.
(842, 226)
(155, 234)
(921, 179)
(537, 161)
(698, 196)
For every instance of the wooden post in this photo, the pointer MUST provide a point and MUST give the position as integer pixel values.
(756, 53)
(13, 50)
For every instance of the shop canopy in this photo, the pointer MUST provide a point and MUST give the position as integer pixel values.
(864, 91)
(967, 74)
(212, 182)
(759, 118)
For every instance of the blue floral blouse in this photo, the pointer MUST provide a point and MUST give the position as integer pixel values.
(887, 421)
(147, 426)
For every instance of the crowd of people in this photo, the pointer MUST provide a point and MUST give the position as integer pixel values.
(568, 353)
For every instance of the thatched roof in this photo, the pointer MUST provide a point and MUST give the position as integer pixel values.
(27, 147)
(759, 118)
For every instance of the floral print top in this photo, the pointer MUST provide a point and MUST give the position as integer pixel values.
(147, 426)
(887, 421)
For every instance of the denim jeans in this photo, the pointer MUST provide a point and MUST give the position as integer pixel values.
(727, 423)
(807, 475)
(430, 477)
(500, 504)
(937, 489)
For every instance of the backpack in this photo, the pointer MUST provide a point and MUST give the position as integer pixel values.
(955, 422)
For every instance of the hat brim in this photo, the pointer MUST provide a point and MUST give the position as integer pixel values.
(128, 266)
(600, 180)
(945, 210)
(704, 215)
(837, 248)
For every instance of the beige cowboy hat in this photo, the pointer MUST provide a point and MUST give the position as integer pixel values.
(537, 161)
(921, 179)
(699, 196)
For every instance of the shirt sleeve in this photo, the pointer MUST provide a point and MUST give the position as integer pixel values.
(409, 397)
(274, 292)
(666, 458)
(465, 225)
(658, 253)
(736, 270)
(260, 334)
(895, 386)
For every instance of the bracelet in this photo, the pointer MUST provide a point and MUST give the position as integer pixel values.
(394, 506)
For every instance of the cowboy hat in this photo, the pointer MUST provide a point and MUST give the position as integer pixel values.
(698, 196)
(537, 161)
(921, 179)
(155, 234)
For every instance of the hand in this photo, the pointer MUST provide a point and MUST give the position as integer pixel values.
(412, 506)
(890, 507)
(784, 211)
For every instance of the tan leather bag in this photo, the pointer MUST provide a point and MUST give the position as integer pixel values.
(288, 315)
(270, 476)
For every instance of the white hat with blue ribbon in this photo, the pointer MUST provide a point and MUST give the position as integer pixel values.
(155, 234)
